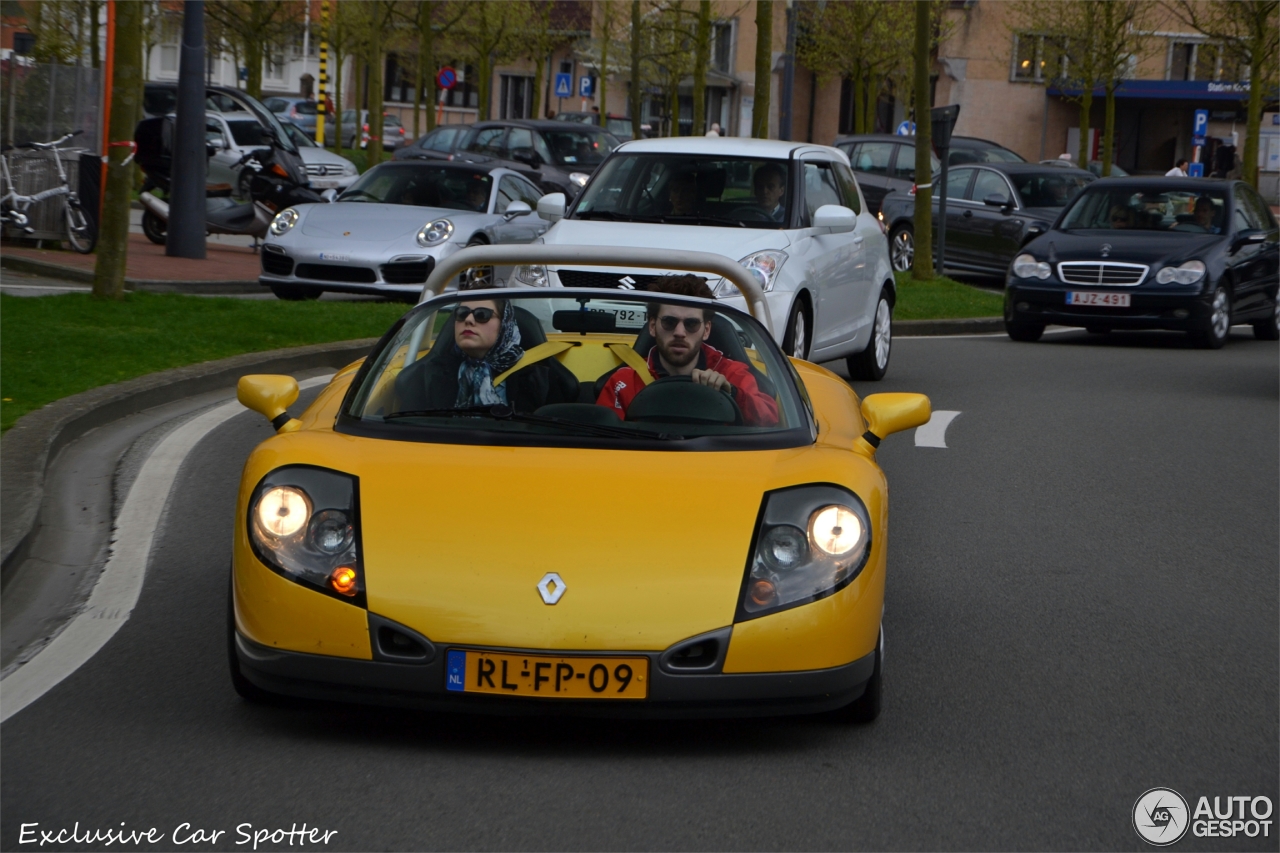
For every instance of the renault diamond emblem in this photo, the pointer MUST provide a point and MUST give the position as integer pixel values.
(1106, 250)
(551, 587)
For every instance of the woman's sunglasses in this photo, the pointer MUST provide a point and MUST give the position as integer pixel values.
(691, 324)
(482, 315)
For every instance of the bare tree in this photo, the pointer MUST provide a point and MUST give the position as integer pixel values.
(490, 33)
(702, 58)
(764, 69)
(922, 268)
(255, 27)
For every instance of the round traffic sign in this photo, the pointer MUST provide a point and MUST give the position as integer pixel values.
(907, 128)
(447, 78)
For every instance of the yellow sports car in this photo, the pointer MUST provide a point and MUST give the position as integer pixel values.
(570, 501)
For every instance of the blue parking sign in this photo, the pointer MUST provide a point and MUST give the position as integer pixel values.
(564, 85)
(584, 87)
(1199, 127)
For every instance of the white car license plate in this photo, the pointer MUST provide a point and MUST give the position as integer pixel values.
(324, 184)
(629, 318)
(334, 256)
(1090, 297)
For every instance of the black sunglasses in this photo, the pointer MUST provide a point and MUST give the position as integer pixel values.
(482, 315)
(691, 324)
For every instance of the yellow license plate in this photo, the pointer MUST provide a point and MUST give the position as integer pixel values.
(547, 676)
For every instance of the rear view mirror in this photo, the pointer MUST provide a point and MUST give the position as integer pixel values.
(886, 414)
(838, 219)
(527, 156)
(329, 194)
(1247, 238)
(551, 207)
(996, 200)
(516, 208)
(270, 395)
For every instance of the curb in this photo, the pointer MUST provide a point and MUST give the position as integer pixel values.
(38, 436)
(28, 265)
(967, 326)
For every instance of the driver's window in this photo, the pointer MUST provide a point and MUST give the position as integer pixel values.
(819, 187)
(989, 183)
(519, 137)
(848, 187)
(508, 191)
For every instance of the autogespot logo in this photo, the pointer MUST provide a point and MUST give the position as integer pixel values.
(1160, 817)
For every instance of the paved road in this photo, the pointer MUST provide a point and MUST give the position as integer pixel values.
(1082, 605)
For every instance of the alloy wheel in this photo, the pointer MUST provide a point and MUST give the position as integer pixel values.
(799, 336)
(883, 333)
(1220, 321)
(903, 251)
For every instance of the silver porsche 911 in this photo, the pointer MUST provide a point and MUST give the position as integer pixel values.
(387, 231)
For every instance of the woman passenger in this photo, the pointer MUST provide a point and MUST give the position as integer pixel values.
(1122, 216)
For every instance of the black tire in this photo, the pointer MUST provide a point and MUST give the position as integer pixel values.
(80, 231)
(799, 324)
(1028, 333)
(873, 362)
(902, 248)
(476, 278)
(156, 229)
(1269, 330)
(866, 708)
(293, 293)
(1216, 327)
(248, 691)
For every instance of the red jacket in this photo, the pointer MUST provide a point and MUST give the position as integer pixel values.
(758, 408)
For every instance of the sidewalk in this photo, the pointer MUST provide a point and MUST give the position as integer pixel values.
(228, 269)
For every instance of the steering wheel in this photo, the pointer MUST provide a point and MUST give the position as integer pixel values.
(751, 214)
(678, 399)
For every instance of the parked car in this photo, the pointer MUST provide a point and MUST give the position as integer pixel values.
(992, 211)
(161, 99)
(619, 126)
(1190, 254)
(1095, 166)
(440, 144)
(970, 149)
(883, 163)
(299, 112)
(392, 131)
(232, 135)
(556, 155)
(807, 235)
(386, 232)
(358, 572)
(326, 169)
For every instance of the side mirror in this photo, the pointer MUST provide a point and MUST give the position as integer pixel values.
(886, 414)
(527, 156)
(1247, 238)
(214, 142)
(836, 218)
(270, 395)
(551, 207)
(516, 208)
(329, 194)
(997, 200)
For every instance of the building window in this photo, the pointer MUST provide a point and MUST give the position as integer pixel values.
(168, 59)
(274, 67)
(397, 87)
(464, 94)
(722, 47)
(515, 97)
(1194, 60)
(1037, 58)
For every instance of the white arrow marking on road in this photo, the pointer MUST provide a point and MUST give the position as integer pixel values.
(116, 592)
(934, 433)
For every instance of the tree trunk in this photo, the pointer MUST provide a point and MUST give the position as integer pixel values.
(1086, 105)
(764, 69)
(856, 84)
(427, 59)
(418, 85)
(374, 156)
(922, 269)
(633, 96)
(1253, 124)
(485, 83)
(126, 97)
(537, 109)
(675, 105)
(870, 100)
(253, 53)
(335, 52)
(1109, 128)
(701, 59)
(95, 52)
(603, 81)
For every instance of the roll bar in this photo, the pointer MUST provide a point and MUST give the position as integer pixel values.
(609, 256)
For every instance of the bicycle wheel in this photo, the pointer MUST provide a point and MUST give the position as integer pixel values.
(80, 231)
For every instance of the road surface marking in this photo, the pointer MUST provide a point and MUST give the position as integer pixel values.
(934, 433)
(116, 592)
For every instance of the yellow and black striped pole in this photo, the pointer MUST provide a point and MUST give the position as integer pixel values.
(324, 72)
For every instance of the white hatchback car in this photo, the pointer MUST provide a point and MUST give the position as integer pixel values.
(789, 212)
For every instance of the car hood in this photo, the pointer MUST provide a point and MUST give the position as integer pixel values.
(320, 155)
(379, 223)
(733, 243)
(1137, 247)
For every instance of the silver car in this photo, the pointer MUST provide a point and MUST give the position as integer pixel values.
(386, 232)
(326, 170)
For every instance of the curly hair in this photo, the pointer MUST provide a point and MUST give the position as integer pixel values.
(681, 285)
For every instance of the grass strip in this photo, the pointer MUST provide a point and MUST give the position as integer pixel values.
(55, 346)
(943, 299)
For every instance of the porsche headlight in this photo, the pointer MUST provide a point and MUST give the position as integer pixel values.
(763, 266)
(1026, 266)
(303, 525)
(812, 541)
(578, 179)
(1188, 273)
(533, 275)
(284, 220)
(435, 233)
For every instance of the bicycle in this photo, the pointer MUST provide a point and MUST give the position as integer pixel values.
(14, 206)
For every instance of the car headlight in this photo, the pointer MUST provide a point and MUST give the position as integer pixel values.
(350, 169)
(1188, 273)
(812, 541)
(435, 233)
(1026, 266)
(284, 220)
(763, 266)
(533, 275)
(578, 179)
(303, 525)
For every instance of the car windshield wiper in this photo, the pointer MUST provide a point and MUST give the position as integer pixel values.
(501, 412)
(602, 214)
(713, 220)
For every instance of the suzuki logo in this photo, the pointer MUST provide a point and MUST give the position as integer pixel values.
(551, 588)
(627, 283)
(1106, 250)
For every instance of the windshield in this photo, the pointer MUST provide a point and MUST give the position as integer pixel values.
(573, 147)
(423, 186)
(959, 156)
(683, 189)
(1047, 189)
(1149, 207)
(248, 133)
(299, 138)
(583, 369)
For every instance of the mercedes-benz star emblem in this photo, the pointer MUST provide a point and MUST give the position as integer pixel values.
(1106, 250)
(551, 588)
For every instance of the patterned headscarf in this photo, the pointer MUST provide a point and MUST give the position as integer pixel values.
(475, 378)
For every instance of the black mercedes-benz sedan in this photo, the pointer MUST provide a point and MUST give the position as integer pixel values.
(1185, 254)
(993, 209)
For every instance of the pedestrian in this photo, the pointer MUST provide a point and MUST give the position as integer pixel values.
(1178, 171)
(551, 114)
(715, 129)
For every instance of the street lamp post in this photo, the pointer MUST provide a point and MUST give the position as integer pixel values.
(186, 202)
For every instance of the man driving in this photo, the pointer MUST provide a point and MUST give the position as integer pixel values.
(770, 183)
(680, 349)
(1204, 213)
(682, 194)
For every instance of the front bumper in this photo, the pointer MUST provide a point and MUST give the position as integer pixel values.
(404, 276)
(1175, 307)
(683, 695)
